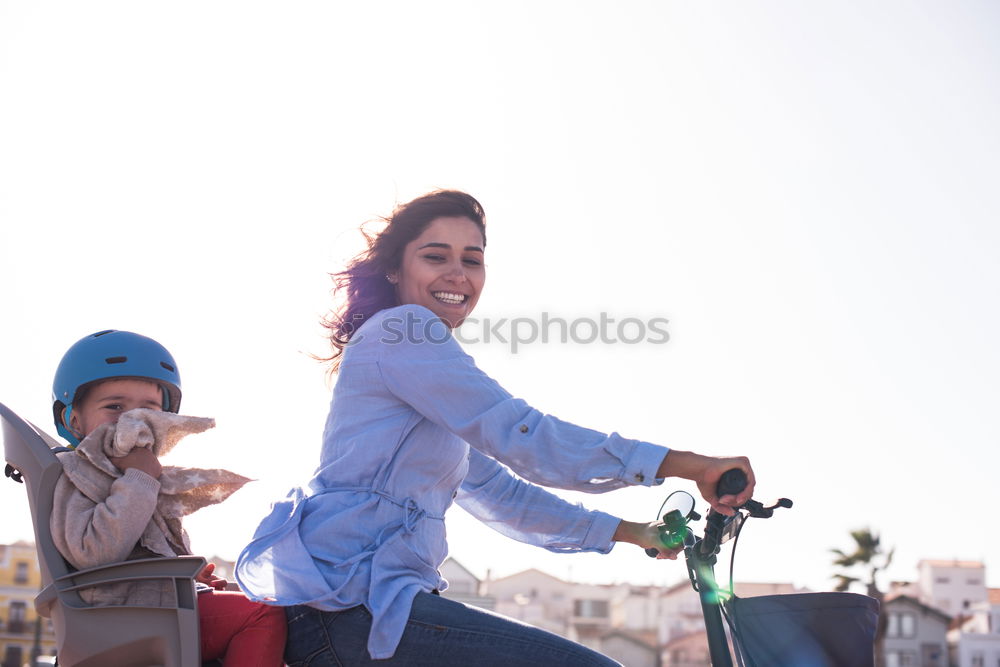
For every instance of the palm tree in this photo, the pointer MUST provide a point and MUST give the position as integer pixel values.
(868, 556)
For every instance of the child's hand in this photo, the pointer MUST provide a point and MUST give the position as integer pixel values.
(207, 577)
(140, 458)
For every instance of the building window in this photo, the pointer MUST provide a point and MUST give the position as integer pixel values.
(590, 608)
(16, 616)
(13, 655)
(900, 659)
(974, 582)
(942, 580)
(932, 655)
(461, 587)
(902, 624)
(978, 660)
(17, 611)
(21, 575)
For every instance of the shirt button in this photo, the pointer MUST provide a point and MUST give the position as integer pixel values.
(639, 477)
(524, 428)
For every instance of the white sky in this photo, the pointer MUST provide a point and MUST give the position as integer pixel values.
(807, 191)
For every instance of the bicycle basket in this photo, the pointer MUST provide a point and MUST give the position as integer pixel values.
(805, 629)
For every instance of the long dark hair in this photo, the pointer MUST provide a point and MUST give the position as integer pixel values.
(363, 286)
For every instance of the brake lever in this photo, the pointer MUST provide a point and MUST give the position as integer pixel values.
(719, 528)
(757, 509)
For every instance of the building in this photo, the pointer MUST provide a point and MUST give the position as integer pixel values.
(618, 620)
(916, 633)
(688, 650)
(682, 629)
(464, 586)
(974, 636)
(642, 609)
(640, 626)
(22, 631)
(681, 617)
(953, 586)
(632, 649)
(993, 598)
(537, 598)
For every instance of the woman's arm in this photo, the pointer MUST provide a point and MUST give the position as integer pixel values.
(422, 365)
(530, 514)
(426, 369)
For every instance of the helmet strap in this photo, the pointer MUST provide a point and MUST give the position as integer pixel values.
(67, 430)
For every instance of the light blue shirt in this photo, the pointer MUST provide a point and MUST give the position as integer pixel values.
(414, 426)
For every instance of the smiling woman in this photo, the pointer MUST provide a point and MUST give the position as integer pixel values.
(415, 426)
(430, 253)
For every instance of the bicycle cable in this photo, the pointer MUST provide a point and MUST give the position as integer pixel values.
(731, 622)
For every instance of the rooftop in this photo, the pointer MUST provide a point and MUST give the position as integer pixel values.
(972, 564)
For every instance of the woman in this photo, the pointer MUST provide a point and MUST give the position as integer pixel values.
(414, 426)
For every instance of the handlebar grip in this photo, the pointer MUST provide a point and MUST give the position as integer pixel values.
(732, 482)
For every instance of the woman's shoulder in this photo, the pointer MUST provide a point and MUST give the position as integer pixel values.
(406, 325)
(412, 310)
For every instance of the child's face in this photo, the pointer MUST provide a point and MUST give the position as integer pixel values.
(105, 402)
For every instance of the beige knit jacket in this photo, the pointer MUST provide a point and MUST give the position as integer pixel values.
(101, 515)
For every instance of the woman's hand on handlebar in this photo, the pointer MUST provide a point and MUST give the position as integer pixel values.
(647, 536)
(705, 471)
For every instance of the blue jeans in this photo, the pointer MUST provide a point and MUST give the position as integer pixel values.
(439, 632)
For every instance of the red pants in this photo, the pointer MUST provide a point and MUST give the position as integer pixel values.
(240, 632)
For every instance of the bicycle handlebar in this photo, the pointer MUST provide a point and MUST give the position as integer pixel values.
(700, 554)
(731, 483)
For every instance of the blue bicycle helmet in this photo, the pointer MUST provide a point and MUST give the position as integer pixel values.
(112, 354)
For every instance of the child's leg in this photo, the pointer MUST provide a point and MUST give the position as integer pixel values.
(241, 632)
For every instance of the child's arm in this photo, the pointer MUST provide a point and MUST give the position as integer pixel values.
(139, 458)
(89, 534)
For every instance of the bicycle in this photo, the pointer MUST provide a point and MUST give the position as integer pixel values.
(798, 630)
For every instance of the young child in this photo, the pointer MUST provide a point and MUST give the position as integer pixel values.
(99, 378)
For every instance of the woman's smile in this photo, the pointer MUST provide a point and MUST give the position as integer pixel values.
(449, 297)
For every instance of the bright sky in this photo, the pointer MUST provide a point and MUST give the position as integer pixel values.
(806, 191)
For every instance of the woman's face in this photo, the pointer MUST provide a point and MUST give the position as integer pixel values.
(443, 269)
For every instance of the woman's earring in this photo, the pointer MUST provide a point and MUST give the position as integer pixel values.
(390, 279)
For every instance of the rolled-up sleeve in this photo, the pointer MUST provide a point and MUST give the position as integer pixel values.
(426, 368)
(530, 514)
